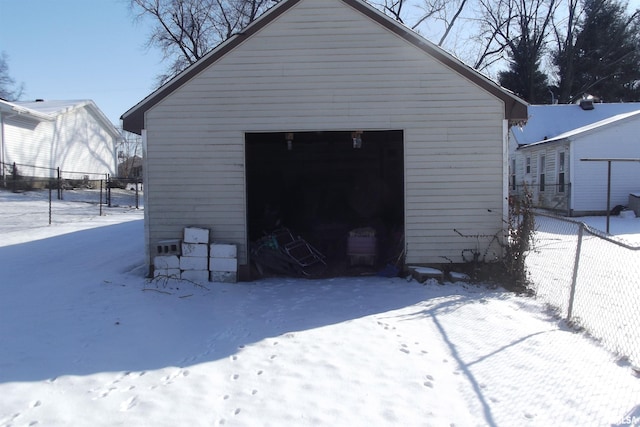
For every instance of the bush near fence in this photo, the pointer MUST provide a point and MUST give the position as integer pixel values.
(591, 279)
(24, 177)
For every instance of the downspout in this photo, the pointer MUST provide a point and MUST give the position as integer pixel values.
(570, 173)
(145, 198)
(505, 177)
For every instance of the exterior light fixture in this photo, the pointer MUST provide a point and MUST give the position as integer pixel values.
(356, 137)
(289, 138)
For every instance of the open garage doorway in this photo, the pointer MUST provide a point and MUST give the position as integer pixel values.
(340, 192)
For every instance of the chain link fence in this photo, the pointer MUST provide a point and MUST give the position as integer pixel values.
(99, 190)
(591, 279)
(552, 197)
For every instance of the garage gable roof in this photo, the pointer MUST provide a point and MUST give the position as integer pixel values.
(515, 109)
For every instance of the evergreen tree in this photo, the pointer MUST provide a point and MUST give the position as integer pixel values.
(605, 58)
(524, 77)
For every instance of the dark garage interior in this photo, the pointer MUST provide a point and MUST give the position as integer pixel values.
(325, 204)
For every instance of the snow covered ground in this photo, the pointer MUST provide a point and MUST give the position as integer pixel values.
(607, 292)
(85, 340)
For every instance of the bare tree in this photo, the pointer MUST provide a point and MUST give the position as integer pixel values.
(186, 30)
(393, 8)
(565, 27)
(445, 13)
(451, 23)
(427, 12)
(9, 91)
(507, 25)
(431, 10)
(129, 150)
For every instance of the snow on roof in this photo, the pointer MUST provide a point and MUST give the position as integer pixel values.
(53, 107)
(14, 108)
(550, 121)
(589, 127)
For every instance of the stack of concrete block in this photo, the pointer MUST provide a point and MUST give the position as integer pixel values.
(168, 247)
(195, 255)
(193, 259)
(223, 263)
(167, 266)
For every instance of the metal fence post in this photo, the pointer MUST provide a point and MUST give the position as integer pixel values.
(14, 175)
(49, 202)
(108, 190)
(576, 264)
(137, 194)
(59, 184)
(101, 181)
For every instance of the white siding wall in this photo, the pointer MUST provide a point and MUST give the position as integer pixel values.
(588, 180)
(551, 197)
(324, 66)
(28, 142)
(621, 140)
(74, 141)
(84, 145)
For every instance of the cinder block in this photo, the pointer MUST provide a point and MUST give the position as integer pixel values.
(197, 276)
(166, 261)
(221, 250)
(193, 263)
(196, 235)
(169, 273)
(223, 264)
(195, 249)
(168, 247)
(459, 277)
(223, 276)
(422, 274)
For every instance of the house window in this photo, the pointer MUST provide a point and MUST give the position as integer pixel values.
(513, 175)
(541, 170)
(528, 165)
(561, 172)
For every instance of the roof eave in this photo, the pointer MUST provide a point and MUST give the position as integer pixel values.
(106, 123)
(515, 109)
(13, 109)
(133, 119)
(546, 141)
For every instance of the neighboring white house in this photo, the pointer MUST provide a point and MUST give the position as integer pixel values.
(328, 116)
(546, 153)
(41, 136)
